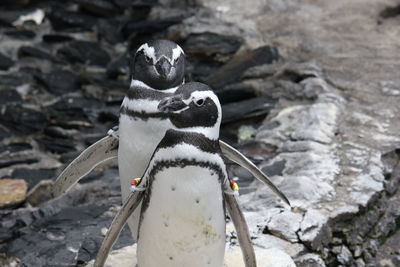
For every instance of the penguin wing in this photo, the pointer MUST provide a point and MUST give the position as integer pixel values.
(101, 151)
(242, 230)
(116, 226)
(234, 155)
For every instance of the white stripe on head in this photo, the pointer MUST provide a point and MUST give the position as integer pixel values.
(148, 51)
(176, 53)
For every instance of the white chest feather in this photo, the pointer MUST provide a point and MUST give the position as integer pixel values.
(184, 223)
(137, 142)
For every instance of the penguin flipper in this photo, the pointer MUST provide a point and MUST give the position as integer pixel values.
(103, 150)
(234, 155)
(116, 226)
(242, 230)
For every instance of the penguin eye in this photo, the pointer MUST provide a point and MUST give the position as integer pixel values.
(199, 102)
(147, 58)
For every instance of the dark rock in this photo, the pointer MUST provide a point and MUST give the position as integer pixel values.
(207, 44)
(56, 38)
(233, 70)
(57, 132)
(105, 116)
(34, 176)
(9, 96)
(152, 26)
(84, 52)
(275, 168)
(119, 66)
(15, 147)
(16, 79)
(73, 112)
(207, 52)
(247, 109)
(11, 160)
(8, 17)
(22, 120)
(62, 19)
(56, 145)
(15, 3)
(20, 34)
(60, 81)
(110, 31)
(236, 92)
(102, 8)
(28, 51)
(5, 62)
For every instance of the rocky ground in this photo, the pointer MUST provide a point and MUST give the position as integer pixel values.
(310, 93)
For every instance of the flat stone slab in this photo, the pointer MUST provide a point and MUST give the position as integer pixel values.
(12, 191)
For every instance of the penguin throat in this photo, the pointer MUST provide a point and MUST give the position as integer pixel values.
(138, 83)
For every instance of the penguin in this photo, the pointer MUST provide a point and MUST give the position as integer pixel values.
(152, 78)
(157, 71)
(184, 188)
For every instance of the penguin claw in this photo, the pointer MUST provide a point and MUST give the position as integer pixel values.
(240, 159)
(116, 226)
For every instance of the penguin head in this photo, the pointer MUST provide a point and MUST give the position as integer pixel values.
(194, 107)
(159, 64)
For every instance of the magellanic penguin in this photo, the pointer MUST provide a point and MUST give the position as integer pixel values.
(144, 76)
(182, 220)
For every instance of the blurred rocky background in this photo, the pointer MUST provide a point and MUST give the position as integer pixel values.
(310, 92)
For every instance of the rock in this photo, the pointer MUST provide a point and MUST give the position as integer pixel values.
(310, 260)
(232, 71)
(22, 120)
(15, 79)
(28, 51)
(211, 44)
(20, 34)
(11, 160)
(5, 62)
(62, 19)
(15, 147)
(152, 26)
(40, 193)
(12, 192)
(33, 176)
(14, 4)
(285, 225)
(312, 231)
(102, 8)
(60, 82)
(36, 16)
(8, 96)
(110, 30)
(119, 66)
(73, 112)
(246, 109)
(84, 52)
(56, 38)
(57, 145)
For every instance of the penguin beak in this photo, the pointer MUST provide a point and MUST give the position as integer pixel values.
(171, 104)
(163, 67)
